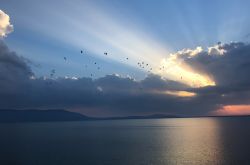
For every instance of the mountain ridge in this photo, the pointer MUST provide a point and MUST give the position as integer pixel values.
(53, 115)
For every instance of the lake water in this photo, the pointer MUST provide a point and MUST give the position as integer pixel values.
(123, 142)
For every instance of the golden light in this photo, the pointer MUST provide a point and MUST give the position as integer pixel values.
(176, 69)
(180, 93)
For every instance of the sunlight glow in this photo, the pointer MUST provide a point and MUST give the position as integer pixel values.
(180, 93)
(234, 110)
(178, 71)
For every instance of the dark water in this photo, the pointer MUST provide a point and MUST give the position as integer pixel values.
(122, 142)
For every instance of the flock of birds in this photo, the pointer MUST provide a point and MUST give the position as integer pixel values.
(141, 64)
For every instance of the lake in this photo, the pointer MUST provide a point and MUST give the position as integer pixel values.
(218, 140)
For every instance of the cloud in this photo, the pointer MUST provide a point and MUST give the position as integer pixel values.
(226, 64)
(5, 25)
(113, 95)
(14, 71)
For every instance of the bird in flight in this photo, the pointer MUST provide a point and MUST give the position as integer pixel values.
(53, 71)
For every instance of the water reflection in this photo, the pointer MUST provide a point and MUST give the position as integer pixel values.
(193, 141)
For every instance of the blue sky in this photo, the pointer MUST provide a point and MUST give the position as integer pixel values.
(47, 31)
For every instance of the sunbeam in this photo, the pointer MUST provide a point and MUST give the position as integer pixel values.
(99, 31)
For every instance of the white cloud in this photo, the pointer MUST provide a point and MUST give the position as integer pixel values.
(5, 26)
(216, 50)
(190, 52)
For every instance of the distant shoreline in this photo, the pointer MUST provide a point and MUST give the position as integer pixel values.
(59, 115)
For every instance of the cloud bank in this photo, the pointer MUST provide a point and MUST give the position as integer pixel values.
(227, 64)
(5, 25)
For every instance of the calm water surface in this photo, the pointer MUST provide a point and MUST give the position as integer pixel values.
(122, 142)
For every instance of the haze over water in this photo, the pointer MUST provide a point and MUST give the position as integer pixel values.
(122, 142)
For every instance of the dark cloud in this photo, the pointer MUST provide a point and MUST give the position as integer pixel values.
(231, 67)
(14, 72)
(115, 95)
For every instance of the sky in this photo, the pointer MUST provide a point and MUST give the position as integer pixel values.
(165, 56)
